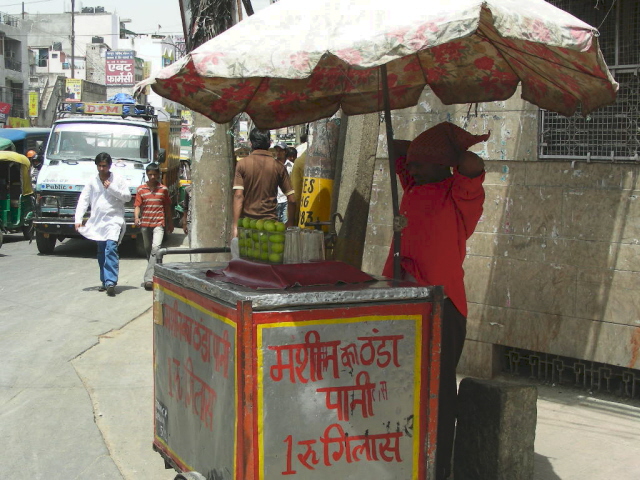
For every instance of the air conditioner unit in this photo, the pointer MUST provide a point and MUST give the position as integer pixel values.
(99, 9)
(88, 10)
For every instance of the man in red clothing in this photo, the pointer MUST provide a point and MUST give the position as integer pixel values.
(152, 214)
(442, 202)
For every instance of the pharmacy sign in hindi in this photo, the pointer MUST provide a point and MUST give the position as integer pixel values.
(120, 68)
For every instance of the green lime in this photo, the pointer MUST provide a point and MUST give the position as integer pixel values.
(280, 227)
(275, 258)
(252, 223)
(260, 224)
(276, 238)
(277, 247)
(246, 221)
(269, 226)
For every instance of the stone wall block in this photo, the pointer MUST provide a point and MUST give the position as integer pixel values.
(496, 431)
(599, 215)
(573, 337)
(479, 359)
(579, 176)
(610, 296)
(504, 173)
(503, 282)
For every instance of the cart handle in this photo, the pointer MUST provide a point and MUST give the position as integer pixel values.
(176, 251)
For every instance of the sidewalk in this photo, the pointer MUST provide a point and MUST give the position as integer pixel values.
(577, 437)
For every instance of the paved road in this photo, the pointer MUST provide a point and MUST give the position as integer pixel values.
(50, 313)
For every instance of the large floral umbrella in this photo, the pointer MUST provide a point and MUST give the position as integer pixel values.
(301, 60)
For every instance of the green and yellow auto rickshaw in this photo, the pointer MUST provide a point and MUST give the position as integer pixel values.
(17, 202)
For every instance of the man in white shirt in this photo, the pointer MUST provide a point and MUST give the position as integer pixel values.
(286, 156)
(106, 193)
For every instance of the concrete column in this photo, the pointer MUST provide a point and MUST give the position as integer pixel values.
(319, 171)
(212, 171)
(496, 431)
(354, 193)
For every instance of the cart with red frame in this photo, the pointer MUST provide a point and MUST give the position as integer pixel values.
(319, 382)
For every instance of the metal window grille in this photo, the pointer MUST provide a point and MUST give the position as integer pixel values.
(596, 378)
(610, 133)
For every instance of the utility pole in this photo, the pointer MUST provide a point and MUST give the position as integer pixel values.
(73, 38)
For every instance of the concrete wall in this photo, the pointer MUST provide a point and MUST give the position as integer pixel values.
(554, 264)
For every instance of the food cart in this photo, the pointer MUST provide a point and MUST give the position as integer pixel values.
(304, 382)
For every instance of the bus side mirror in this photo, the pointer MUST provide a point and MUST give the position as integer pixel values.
(162, 155)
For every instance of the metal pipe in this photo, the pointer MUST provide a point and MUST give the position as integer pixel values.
(188, 251)
(397, 224)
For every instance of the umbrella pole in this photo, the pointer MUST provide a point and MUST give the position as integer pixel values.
(397, 223)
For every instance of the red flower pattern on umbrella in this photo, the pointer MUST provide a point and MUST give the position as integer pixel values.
(541, 31)
(484, 63)
(210, 58)
(300, 61)
(436, 73)
(398, 34)
(239, 92)
(413, 66)
(448, 52)
(420, 39)
(350, 55)
(540, 50)
(490, 85)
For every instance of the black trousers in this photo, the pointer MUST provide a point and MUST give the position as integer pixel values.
(454, 330)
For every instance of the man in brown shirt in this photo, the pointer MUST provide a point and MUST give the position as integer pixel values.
(256, 182)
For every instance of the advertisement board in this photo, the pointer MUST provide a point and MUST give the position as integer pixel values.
(33, 104)
(120, 68)
(73, 89)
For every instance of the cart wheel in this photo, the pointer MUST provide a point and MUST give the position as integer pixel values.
(45, 244)
(190, 476)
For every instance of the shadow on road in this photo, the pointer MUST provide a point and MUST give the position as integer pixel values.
(543, 468)
(13, 238)
(83, 248)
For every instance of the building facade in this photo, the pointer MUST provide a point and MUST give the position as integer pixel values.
(14, 68)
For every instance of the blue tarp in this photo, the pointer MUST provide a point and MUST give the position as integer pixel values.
(123, 98)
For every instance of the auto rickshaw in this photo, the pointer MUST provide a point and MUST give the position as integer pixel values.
(17, 202)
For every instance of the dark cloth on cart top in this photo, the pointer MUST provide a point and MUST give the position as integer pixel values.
(264, 276)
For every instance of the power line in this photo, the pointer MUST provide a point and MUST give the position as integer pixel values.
(26, 3)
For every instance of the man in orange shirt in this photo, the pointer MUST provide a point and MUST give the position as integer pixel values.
(442, 202)
(152, 213)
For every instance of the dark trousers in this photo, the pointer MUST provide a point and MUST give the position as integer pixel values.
(454, 330)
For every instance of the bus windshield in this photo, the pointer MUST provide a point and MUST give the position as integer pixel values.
(84, 140)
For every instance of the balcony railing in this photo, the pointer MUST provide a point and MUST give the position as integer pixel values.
(9, 20)
(12, 64)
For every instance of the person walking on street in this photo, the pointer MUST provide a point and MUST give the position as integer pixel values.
(290, 155)
(256, 182)
(106, 194)
(442, 203)
(152, 213)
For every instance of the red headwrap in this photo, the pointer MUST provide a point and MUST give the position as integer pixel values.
(442, 144)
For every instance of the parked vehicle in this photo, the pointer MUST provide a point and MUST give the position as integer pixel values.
(30, 141)
(134, 135)
(25, 139)
(17, 202)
